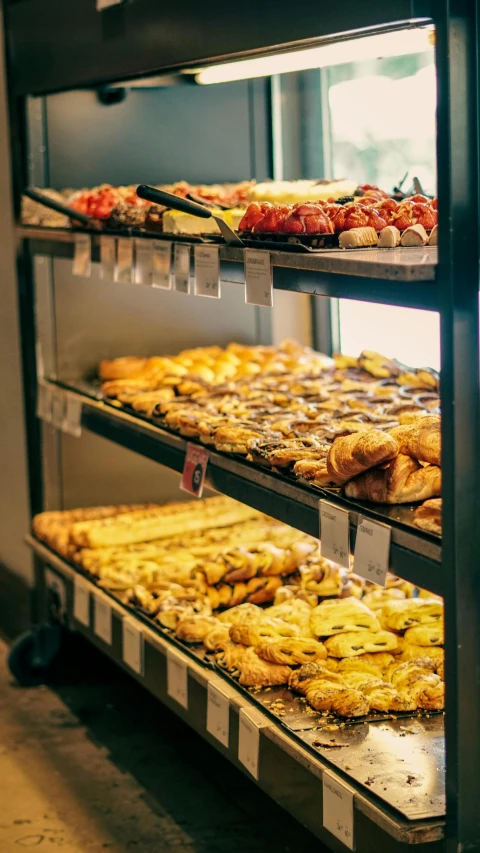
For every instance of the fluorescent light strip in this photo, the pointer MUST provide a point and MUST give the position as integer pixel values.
(398, 43)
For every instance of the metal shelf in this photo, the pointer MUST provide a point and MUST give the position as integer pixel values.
(414, 556)
(404, 277)
(291, 770)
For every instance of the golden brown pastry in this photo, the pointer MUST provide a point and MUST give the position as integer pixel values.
(375, 599)
(255, 672)
(349, 703)
(350, 455)
(122, 368)
(404, 674)
(217, 637)
(410, 651)
(385, 698)
(425, 635)
(400, 615)
(358, 642)
(194, 628)
(291, 650)
(230, 656)
(360, 666)
(301, 678)
(253, 633)
(404, 480)
(241, 613)
(313, 471)
(429, 516)
(421, 439)
(341, 615)
(380, 660)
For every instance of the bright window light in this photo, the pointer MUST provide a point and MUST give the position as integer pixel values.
(398, 43)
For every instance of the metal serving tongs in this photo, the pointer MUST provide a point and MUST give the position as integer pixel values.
(62, 208)
(182, 204)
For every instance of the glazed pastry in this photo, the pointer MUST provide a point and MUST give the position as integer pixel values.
(350, 703)
(380, 660)
(358, 642)
(230, 656)
(352, 454)
(404, 480)
(242, 613)
(339, 616)
(378, 597)
(255, 672)
(425, 635)
(400, 615)
(403, 675)
(422, 439)
(429, 516)
(235, 439)
(308, 673)
(360, 667)
(291, 650)
(253, 633)
(194, 628)
(217, 637)
(385, 698)
(411, 651)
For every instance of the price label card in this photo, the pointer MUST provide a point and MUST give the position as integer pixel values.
(133, 647)
(143, 261)
(81, 602)
(207, 271)
(107, 257)
(102, 620)
(58, 408)
(258, 278)
(44, 403)
(372, 551)
(73, 416)
(82, 255)
(194, 470)
(181, 268)
(124, 267)
(162, 264)
(249, 741)
(334, 533)
(218, 714)
(177, 679)
(338, 810)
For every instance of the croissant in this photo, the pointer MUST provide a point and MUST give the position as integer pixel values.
(421, 439)
(429, 516)
(404, 480)
(302, 678)
(350, 703)
(255, 672)
(291, 650)
(349, 455)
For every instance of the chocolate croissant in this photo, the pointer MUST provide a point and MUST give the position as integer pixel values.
(350, 455)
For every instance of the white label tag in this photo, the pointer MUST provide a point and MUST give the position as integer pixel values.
(124, 267)
(194, 470)
(181, 268)
(102, 620)
(218, 714)
(44, 403)
(133, 647)
(338, 810)
(258, 278)
(248, 742)
(177, 679)
(372, 551)
(143, 261)
(81, 602)
(58, 408)
(73, 416)
(82, 255)
(107, 257)
(334, 533)
(162, 264)
(207, 271)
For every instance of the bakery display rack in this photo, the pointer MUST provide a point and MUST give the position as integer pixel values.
(445, 281)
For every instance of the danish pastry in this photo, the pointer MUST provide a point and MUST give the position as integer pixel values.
(253, 633)
(217, 637)
(194, 628)
(302, 678)
(230, 656)
(256, 672)
(378, 597)
(400, 615)
(291, 650)
(340, 616)
(425, 635)
(357, 642)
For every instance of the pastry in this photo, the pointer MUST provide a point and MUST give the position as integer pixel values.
(242, 613)
(400, 615)
(352, 454)
(429, 516)
(378, 597)
(415, 235)
(230, 656)
(301, 678)
(194, 628)
(340, 616)
(354, 643)
(360, 666)
(411, 651)
(291, 650)
(256, 672)
(422, 439)
(425, 635)
(313, 471)
(356, 238)
(389, 237)
(253, 633)
(217, 637)
(403, 480)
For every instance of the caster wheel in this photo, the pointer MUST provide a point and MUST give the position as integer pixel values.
(34, 655)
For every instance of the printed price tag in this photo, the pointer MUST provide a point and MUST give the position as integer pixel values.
(102, 620)
(81, 602)
(181, 268)
(258, 278)
(372, 551)
(82, 255)
(207, 271)
(338, 810)
(334, 534)
(107, 257)
(44, 403)
(218, 714)
(58, 408)
(249, 741)
(162, 264)
(143, 261)
(133, 647)
(194, 470)
(177, 679)
(124, 267)
(73, 416)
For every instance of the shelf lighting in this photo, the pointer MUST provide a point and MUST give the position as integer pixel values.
(397, 43)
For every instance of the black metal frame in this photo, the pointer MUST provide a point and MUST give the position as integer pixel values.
(458, 25)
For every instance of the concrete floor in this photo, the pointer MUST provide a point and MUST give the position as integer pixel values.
(97, 764)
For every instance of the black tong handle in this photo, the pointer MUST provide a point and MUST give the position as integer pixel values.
(60, 208)
(173, 201)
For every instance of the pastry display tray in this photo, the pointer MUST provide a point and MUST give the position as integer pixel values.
(399, 760)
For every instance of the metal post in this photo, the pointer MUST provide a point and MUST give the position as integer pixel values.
(457, 149)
